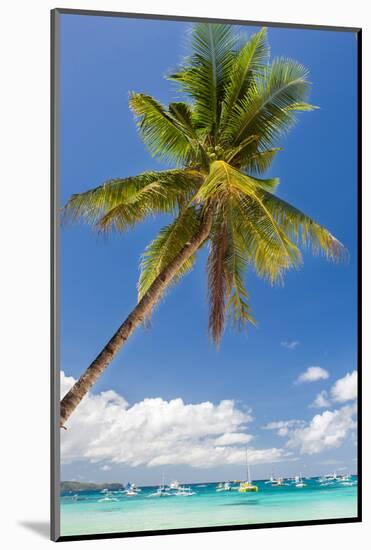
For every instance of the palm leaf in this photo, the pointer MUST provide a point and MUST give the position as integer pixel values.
(121, 203)
(164, 135)
(182, 112)
(304, 229)
(202, 76)
(238, 308)
(271, 250)
(163, 249)
(268, 108)
(247, 64)
(226, 268)
(256, 162)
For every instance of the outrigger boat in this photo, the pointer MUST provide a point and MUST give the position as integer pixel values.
(131, 490)
(174, 485)
(279, 482)
(299, 483)
(184, 492)
(226, 486)
(162, 491)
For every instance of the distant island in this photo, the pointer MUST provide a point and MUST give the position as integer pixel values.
(77, 486)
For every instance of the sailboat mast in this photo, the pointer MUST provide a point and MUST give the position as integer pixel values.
(248, 469)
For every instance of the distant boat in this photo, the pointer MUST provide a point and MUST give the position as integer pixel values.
(272, 479)
(275, 481)
(328, 479)
(345, 477)
(131, 490)
(184, 492)
(299, 483)
(162, 491)
(226, 486)
(108, 497)
(278, 482)
(174, 485)
(247, 486)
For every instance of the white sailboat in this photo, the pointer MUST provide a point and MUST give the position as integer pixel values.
(162, 491)
(299, 483)
(226, 486)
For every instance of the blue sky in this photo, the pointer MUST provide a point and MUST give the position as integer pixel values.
(102, 59)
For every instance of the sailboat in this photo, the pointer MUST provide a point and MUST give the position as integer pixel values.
(271, 479)
(247, 486)
(226, 486)
(299, 483)
(279, 482)
(162, 491)
(131, 490)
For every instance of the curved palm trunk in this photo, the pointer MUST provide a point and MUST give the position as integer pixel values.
(136, 317)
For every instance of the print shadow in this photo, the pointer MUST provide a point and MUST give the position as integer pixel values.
(41, 528)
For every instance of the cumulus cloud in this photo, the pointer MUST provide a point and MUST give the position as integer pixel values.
(321, 401)
(290, 344)
(106, 468)
(345, 389)
(325, 431)
(157, 432)
(312, 374)
(282, 427)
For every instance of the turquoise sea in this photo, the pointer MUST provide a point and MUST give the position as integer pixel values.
(87, 512)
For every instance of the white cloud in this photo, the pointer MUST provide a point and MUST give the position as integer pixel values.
(290, 344)
(232, 439)
(325, 431)
(106, 468)
(153, 432)
(312, 374)
(282, 427)
(321, 401)
(345, 389)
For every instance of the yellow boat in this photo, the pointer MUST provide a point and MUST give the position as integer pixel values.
(247, 487)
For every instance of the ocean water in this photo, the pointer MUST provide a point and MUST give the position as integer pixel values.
(83, 513)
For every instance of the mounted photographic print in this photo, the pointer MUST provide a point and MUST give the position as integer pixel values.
(206, 274)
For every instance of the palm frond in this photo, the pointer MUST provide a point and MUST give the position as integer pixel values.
(226, 268)
(238, 308)
(203, 73)
(271, 250)
(268, 108)
(268, 184)
(121, 203)
(247, 64)
(165, 136)
(163, 249)
(304, 229)
(182, 112)
(256, 162)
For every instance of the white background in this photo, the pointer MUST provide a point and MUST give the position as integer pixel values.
(24, 272)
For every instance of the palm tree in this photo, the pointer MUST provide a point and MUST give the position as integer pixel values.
(220, 143)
